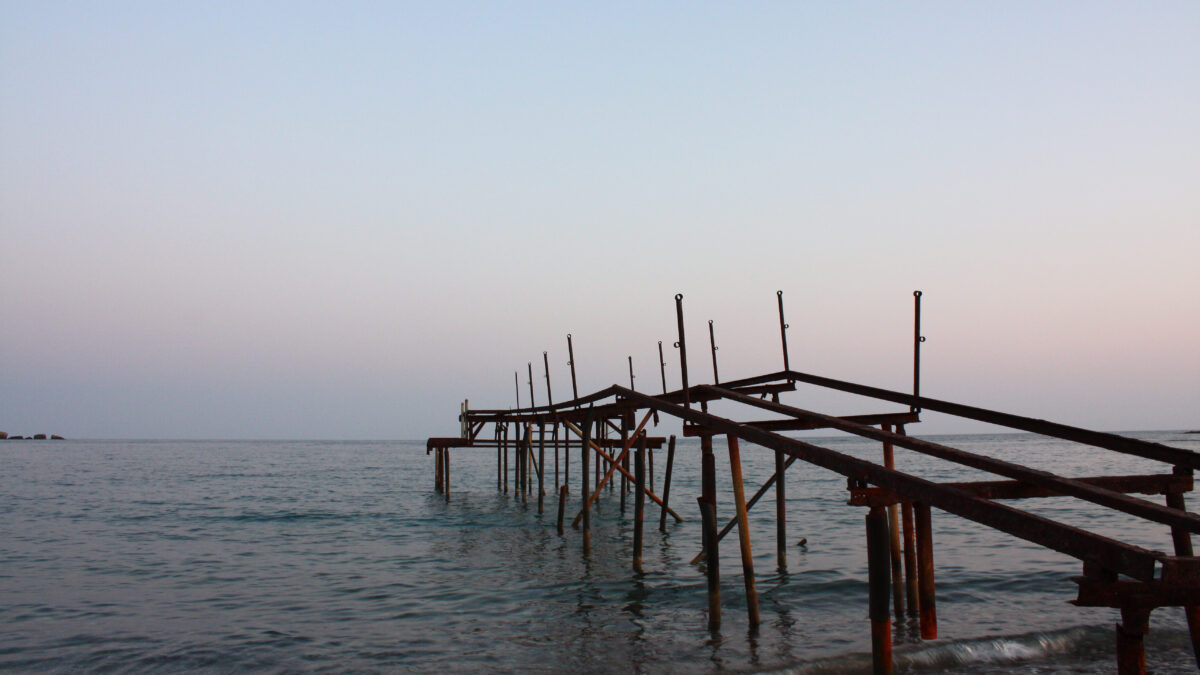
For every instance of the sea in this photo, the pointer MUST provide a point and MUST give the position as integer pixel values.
(319, 556)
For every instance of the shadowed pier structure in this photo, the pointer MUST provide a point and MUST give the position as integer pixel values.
(607, 429)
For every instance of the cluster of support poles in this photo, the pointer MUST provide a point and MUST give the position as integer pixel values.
(899, 540)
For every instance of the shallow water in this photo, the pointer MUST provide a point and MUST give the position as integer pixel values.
(268, 555)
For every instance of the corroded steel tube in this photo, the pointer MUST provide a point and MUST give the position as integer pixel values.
(878, 576)
(682, 346)
(708, 510)
(928, 608)
(666, 496)
(639, 504)
(739, 502)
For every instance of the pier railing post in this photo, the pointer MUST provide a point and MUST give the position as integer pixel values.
(639, 503)
(585, 449)
(1131, 640)
(708, 510)
(893, 513)
(739, 502)
(926, 594)
(666, 495)
(878, 575)
(542, 462)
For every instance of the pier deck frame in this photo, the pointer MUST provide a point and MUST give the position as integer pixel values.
(1115, 574)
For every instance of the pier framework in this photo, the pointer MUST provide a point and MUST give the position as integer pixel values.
(607, 429)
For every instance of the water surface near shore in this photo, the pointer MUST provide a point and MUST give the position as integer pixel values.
(313, 556)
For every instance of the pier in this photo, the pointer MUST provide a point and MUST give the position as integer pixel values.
(600, 439)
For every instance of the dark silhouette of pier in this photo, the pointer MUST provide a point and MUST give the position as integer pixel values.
(607, 429)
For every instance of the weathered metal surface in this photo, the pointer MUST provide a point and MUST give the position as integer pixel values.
(1126, 558)
(1045, 479)
(1011, 489)
(1154, 578)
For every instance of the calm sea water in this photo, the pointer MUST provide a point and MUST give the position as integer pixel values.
(333, 556)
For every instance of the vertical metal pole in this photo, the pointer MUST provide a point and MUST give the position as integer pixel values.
(708, 509)
(910, 551)
(554, 440)
(780, 511)
(783, 331)
(499, 466)
(517, 386)
(571, 362)
(1183, 547)
(549, 396)
(662, 366)
(446, 472)
(1131, 640)
(542, 463)
(666, 495)
(925, 571)
(562, 505)
(739, 502)
(522, 462)
(437, 470)
(531, 398)
(917, 340)
(681, 345)
(585, 448)
(631, 387)
(878, 576)
(639, 503)
(893, 513)
(712, 340)
(625, 461)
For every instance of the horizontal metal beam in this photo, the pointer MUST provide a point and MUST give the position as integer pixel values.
(1130, 446)
(1157, 484)
(905, 417)
(1045, 479)
(1109, 553)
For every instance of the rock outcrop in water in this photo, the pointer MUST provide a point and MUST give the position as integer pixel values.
(37, 437)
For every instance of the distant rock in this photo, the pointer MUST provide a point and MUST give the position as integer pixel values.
(39, 437)
(56, 437)
(3, 435)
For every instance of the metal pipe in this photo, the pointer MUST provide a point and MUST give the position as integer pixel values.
(666, 496)
(927, 600)
(889, 461)
(571, 362)
(585, 449)
(662, 366)
(917, 340)
(878, 576)
(712, 341)
(542, 461)
(639, 504)
(739, 502)
(681, 345)
(782, 331)
(708, 511)
(532, 403)
(549, 396)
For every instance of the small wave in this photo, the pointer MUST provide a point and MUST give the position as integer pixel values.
(955, 654)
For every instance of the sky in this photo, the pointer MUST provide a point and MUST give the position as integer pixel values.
(339, 220)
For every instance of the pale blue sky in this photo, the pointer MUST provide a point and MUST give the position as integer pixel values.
(335, 220)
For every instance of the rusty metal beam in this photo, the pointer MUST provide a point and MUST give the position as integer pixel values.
(1092, 493)
(1156, 484)
(800, 425)
(1123, 558)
